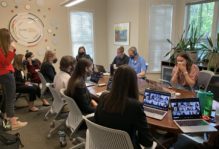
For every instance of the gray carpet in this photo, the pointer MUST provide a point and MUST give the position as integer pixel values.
(34, 135)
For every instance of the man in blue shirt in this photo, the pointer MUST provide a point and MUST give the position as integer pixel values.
(137, 62)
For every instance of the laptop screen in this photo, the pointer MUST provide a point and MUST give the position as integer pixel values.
(156, 99)
(185, 108)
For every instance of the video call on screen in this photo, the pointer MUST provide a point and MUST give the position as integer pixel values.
(185, 108)
(156, 100)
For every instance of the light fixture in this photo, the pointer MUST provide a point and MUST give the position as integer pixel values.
(69, 3)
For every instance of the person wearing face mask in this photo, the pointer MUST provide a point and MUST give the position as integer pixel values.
(67, 64)
(77, 89)
(47, 68)
(137, 62)
(82, 54)
(32, 66)
(185, 73)
(24, 86)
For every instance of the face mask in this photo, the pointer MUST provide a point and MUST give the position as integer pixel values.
(132, 56)
(55, 60)
(25, 62)
(82, 53)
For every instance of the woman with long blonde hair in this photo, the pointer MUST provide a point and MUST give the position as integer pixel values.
(7, 80)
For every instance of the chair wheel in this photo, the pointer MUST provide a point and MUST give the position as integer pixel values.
(49, 136)
(52, 125)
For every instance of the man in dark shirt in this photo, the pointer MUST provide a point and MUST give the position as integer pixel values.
(120, 59)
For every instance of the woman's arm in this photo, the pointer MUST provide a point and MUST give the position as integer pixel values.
(175, 73)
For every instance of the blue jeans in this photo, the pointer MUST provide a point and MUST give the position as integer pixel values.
(9, 93)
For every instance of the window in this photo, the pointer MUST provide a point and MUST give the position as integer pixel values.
(204, 16)
(82, 32)
(201, 17)
(160, 28)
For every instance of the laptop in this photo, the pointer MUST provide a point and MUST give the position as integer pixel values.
(94, 79)
(156, 103)
(187, 115)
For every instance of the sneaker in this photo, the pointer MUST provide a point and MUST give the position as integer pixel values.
(18, 125)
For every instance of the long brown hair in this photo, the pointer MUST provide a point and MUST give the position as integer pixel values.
(49, 54)
(124, 86)
(189, 61)
(78, 74)
(5, 40)
(18, 62)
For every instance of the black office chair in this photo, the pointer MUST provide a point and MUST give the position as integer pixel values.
(214, 86)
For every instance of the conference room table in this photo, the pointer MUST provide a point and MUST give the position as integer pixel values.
(166, 124)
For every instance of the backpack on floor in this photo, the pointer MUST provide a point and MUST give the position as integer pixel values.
(10, 141)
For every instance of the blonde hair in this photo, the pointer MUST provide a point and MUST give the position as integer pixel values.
(48, 55)
(5, 40)
(18, 63)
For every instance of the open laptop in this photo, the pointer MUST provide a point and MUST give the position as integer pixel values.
(186, 113)
(100, 68)
(94, 79)
(156, 103)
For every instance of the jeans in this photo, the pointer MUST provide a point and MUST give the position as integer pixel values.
(9, 93)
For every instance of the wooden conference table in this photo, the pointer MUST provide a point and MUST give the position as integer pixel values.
(167, 123)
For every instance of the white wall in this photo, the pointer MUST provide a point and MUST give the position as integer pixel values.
(56, 15)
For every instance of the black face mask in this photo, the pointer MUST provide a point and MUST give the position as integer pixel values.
(55, 60)
(81, 53)
(132, 56)
(25, 62)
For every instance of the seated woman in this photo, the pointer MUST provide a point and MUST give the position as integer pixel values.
(185, 73)
(82, 54)
(77, 88)
(120, 109)
(61, 79)
(23, 86)
(32, 66)
(47, 68)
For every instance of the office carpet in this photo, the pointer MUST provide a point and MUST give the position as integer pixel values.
(34, 135)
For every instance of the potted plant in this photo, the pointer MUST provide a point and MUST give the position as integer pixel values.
(211, 53)
(181, 46)
(189, 44)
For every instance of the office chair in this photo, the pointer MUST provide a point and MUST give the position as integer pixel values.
(214, 86)
(74, 119)
(204, 78)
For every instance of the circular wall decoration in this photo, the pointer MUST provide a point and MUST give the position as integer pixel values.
(4, 4)
(26, 29)
(27, 7)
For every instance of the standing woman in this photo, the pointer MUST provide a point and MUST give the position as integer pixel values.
(47, 68)
(185, 73)
(120, 109)
(7, 80)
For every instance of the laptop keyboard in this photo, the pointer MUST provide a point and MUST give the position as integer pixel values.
(191, 123)
(154, 111)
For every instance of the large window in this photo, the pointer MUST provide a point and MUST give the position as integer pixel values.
(82, 32)
(204, 16)
(159, 30)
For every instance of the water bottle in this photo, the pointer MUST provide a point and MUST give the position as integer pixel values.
(62, 138)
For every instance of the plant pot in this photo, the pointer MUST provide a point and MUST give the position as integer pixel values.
(193, 55)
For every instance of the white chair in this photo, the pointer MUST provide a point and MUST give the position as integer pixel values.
(204, 78)
(74, 119)
(56, 108)
(43, 83)
(100, 137)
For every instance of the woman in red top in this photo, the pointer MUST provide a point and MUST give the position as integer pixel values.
(7, 81)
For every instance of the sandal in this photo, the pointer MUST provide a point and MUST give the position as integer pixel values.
(45, 102)
(18, 125)
(33, 109)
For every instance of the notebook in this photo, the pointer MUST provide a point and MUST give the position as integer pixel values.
(156, 103)
(187, 115)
